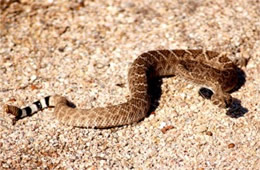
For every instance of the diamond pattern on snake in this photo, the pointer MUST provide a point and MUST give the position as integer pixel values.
(207, 68)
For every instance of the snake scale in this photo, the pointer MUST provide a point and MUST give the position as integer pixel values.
(209, 68)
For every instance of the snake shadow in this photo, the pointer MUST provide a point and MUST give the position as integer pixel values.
(155, 91)
(235, 110)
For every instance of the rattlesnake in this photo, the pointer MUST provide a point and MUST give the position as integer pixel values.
(203, 67)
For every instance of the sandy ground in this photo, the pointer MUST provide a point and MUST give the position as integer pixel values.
(82, 50)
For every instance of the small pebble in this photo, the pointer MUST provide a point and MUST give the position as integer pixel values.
(209, 133)
(231, 145)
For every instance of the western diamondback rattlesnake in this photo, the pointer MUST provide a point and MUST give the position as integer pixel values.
(208, 68)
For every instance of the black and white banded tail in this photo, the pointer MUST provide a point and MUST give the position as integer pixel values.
(29, 110)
